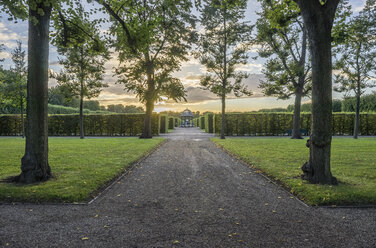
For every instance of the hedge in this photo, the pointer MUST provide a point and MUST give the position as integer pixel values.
(278, 123)
(163, 124)
(171, 122)
(209, 123)
(177, 122)
(94, 125)
(202, 122)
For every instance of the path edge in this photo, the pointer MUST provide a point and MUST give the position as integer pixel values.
(284, 187)
(103, 189)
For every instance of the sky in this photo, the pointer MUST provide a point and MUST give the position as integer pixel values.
(198, 99)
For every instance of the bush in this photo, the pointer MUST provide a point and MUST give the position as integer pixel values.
(94, 125)
(279, 123)
(171, 122)
(209, 123)
(202, 122)
(163, 123)
(177, 121)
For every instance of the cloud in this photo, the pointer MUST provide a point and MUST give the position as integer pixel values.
(250, 67)
(357, 7)
(195, 94)
(193, 77)
(9, 37)
(4, 55)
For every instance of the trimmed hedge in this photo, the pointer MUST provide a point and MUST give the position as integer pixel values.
(209, 123)
(171, 122)
(163, 124)
(202, 122)
(177, 122)
(253, 124)
(94, 125)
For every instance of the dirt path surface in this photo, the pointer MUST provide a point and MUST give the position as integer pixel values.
(188, 193)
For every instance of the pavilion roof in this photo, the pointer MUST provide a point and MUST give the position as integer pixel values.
(187, 113)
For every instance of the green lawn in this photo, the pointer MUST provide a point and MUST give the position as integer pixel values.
(80, 167)
(353, 163)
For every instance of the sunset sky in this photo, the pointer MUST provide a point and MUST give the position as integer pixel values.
(197, 99)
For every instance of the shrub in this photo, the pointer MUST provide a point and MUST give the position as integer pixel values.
(209, 123)
(177, 121)
(163, 123)
(202, 122)
(171, 122)
(94, 125)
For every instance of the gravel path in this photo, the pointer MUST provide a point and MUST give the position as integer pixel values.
(188, 193)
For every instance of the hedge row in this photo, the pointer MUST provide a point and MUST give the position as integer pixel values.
(163, 123)
(279, 123)
(202, 122)
(173, 122)
(94, 125)
(209, 123)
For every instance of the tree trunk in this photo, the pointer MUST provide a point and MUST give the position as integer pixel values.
(22, 119)
(34, 163)
(223, 116)
(82, 133)
(224, 83)
(146, 131)
(318, 19)
(357, 111)
(296, 122)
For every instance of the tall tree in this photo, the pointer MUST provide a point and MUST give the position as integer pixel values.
(152, 38)
(222, 47)
(34, 163)
(84, 57)
(356, 56)
(14, 82)
(318, 17)
(282, 38)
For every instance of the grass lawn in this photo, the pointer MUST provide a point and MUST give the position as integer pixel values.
(80, 167)
(353, 163)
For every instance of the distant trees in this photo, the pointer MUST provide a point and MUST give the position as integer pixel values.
(223, 46)
(367, 103)
(282, 37)
(120, 108)
(307, 107)
(356, 56)
(13, 87)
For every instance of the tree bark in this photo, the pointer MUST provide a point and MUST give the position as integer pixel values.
(146, 131)
(224, 82)
(22, 118)
(318, 19)
(223, 117)
(296, 121)
(82, 133)
(34, 163)
(357, 111)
